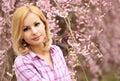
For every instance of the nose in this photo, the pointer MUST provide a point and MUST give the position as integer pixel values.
(34, 30)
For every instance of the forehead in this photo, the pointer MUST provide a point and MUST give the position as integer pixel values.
(31, 18)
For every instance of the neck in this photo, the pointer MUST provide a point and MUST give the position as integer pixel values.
(39, 49)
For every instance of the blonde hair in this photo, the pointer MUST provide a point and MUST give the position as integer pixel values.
(17, 28)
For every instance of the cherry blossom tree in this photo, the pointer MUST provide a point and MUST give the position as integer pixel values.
(86, 30)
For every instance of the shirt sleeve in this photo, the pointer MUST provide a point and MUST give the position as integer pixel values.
(25, 71)
(67, 73)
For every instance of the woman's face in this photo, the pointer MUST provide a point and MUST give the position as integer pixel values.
(33, 30)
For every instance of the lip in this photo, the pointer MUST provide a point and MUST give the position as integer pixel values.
(36, 38)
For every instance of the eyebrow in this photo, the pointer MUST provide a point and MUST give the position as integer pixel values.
(36, 22)
(25, 26)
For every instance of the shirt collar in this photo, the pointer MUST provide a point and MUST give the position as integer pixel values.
(34, 56)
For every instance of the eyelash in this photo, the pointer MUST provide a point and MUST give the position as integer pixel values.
(36, 24)
(26, 29)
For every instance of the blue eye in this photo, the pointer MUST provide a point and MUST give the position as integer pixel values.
(36, 24)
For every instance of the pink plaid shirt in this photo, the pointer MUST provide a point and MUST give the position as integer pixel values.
(33, 68)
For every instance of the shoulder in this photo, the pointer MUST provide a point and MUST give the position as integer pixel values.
(55, 47)
(58, 53)
(21, 60)
(55, 50)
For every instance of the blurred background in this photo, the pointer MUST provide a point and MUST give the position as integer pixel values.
(87, 31)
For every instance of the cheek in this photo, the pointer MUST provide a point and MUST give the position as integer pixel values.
(26, 36)
(43, 31)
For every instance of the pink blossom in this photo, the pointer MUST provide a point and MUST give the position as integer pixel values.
(44, 5)
(62, 1)
(8, 5)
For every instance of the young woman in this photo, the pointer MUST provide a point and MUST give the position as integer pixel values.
(37, 59)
